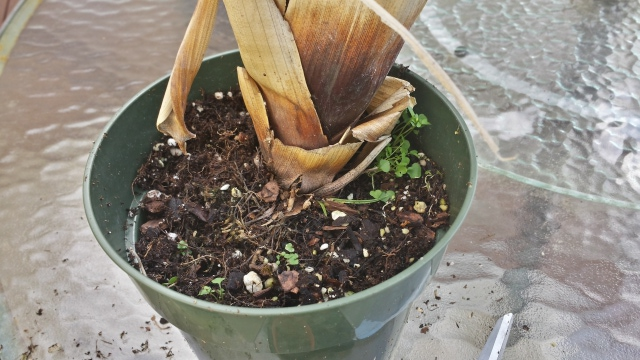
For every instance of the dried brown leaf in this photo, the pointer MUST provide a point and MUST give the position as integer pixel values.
(391, 100)
(288, 280)
(346, 52)
(171, 116)
(372, 150)
(270, 191)
(271, 58)
(313, 167)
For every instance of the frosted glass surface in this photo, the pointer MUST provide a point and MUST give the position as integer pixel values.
(554, 82)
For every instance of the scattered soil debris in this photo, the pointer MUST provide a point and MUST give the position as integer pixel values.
(214, 216)
(54, 348)
(30, 349)
(153, 318)
(143, 347)
(169, 351)
(99, 353)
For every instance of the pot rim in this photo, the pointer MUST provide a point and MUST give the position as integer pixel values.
(209, 306)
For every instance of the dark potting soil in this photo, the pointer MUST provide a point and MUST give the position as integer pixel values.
(217, 214)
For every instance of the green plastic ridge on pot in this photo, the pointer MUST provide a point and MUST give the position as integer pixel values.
(362, 326)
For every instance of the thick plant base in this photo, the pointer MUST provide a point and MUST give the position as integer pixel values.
(362, 326)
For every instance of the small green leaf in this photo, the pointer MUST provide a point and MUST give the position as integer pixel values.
(383, 196)
(387, 195)
(384, 165)
(324, 208)
(375, 193)
(405, 146)
(293, 260)
(289, 247)
(406, 116)
(183, 247)
(414, 171)
(206, 290)
(401, 170)
(217, 281)
(171, 281)
(388, 151)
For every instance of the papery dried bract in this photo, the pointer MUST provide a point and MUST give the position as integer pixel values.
(313, 168)
(171, 116)
(270, 55)
(391, 99)
(346, 51)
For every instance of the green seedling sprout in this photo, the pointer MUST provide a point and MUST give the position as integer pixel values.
(376, 195)
(183, 248)
(217, 293)
(396, 155)
(289, 255)
(172, 282)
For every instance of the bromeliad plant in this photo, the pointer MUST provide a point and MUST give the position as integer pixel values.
(315, 83)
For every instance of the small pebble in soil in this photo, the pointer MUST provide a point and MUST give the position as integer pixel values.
(252, 282)
(337, 214)
(269, 282)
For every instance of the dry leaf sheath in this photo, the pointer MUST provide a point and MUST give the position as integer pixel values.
(314, 82)
(171, 117)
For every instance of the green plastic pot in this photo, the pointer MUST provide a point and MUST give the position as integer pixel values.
(362, 326)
